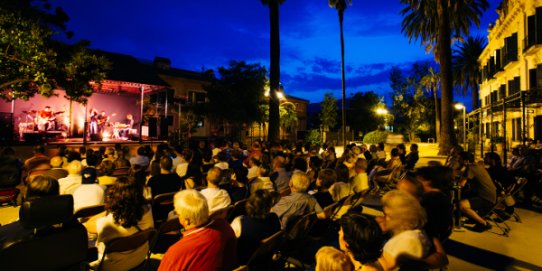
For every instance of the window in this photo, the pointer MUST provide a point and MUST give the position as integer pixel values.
(513, 86)
(516, 129)
(535, 79)
(510, 50)
(502, 92)
(534, 29)
(196, 97)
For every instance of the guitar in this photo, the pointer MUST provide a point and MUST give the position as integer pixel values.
(102, 120)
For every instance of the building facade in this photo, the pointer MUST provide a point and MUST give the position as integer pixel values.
(511, 88)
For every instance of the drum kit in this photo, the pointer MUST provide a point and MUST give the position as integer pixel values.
(39, 120)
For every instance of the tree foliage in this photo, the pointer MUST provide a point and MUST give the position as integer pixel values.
(412, 106)
(235, 96)
(361, 115)
(33, 62)
(328, 113)
(465, 66)
(376, 136)
(288, 115)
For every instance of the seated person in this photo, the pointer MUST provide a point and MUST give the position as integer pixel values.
(262, 181)
(217, 198)
(360, 182)
(56, 170)
(106, 168)
(257, 225)
(41, 186)
(126, 213)
(165, 182)
(206, 244)
(237, 188)
(331, 259)
(479, 196)
(404, 218)
(73, 180)
(360, 238)
(412, 158)
(298, 202)
(89, 193)
(326, 178)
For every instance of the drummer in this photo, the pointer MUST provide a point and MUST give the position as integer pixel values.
(45, 119)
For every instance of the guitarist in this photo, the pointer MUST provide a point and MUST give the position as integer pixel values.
(45, 119)
(102, 119)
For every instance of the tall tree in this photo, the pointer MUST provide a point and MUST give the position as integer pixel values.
(465, 66)
(361, 115)
(235, 96)
(328, 113)
(274, 73)
(288, 116)
(33, 62)
(340, 6)
(431, 82)
(434, 23)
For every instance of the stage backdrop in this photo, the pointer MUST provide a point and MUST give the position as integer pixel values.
(117, 106)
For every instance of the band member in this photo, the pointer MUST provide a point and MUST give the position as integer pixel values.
(129, 121)
(93, 129)
(102, 121)
(45, 119)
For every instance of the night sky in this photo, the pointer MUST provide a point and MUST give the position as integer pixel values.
(198, 35)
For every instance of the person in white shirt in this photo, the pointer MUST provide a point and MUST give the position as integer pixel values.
(254, 167)
(360, 183)
(216, 198)
(73, 180)
(89, 193)
(222, 161)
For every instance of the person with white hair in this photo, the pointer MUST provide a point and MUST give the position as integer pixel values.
(298, 202)
(404, 218)
(206, 244)
(73, 180)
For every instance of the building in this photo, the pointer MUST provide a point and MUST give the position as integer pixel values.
(511, 87)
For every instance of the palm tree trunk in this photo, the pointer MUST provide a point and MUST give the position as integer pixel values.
(447, 135)
(343, 80)
(274, 115)
(437, 114)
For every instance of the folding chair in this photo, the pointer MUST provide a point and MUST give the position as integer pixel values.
(296, 239)
(161, 205)
(128, 243)
(168, 234)
(85, 213)
(496, 215)
(263, 257)
(121, 172)
(221, 213)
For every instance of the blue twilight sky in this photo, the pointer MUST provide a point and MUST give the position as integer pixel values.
(208, 34)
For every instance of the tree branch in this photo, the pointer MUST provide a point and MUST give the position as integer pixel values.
(7, 84)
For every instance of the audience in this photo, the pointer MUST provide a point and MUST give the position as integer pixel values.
(217, 198)
(89, 193)
(74, 179)
(127, 212)
(257, 225)
(298, 202)
(360, 238)
(326, 178)
(331, 259)
(165, 182)
(206, 244)
(56, 170)
(360, 182)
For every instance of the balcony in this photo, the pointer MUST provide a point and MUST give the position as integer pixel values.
(530, 46)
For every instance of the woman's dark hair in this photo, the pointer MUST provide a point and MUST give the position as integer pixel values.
(125, 201)
(394, 152)
(363, 236)
(300, 164)
(259, 204)
(107, 167)
(241, 173)
(42, 186)
(439, 177)
(342, 173)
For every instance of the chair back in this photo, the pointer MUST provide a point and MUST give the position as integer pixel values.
(121, 172)
(168, 234)
(161, 205)
(301, 228)
(238, 209)
(264, 253)
(128, 243)
(221, 213)
(89, 211)
(46, 237)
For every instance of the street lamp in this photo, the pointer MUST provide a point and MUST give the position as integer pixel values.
(459, 106)
(383, 112)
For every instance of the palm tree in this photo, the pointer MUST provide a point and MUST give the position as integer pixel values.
(465, 66)
(434, 22)
(340, 6)
(431, 82)
(274, 73)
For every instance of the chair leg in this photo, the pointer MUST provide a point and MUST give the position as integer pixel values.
(516, 217)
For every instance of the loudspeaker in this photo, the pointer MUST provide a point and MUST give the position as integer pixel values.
(164, 124)
(6, 133)
(153, 127)
(95, 137)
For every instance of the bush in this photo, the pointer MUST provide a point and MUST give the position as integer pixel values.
(314, 138)
(375, 137)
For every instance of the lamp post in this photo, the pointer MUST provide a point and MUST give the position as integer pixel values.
(383, 112)
(459, 106)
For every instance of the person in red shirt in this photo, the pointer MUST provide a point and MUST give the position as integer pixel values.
(206, 244)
